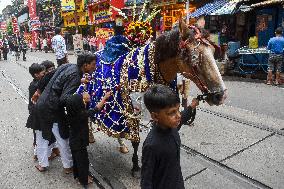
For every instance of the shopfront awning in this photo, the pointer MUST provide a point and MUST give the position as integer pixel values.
(228, 8)
(246, 8)
(208, 8)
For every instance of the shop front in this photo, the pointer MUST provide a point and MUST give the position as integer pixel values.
(263, 19)
(102, 16)
(171, 11)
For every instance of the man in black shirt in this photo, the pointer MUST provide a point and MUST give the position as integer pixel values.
(50, 108)
(161, 149)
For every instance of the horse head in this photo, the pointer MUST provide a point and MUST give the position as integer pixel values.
(196, 62)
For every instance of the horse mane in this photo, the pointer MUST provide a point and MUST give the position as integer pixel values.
(167, 46)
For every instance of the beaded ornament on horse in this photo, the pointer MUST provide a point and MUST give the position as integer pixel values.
(124, 71)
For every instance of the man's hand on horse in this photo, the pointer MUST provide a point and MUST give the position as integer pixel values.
(107, 95)
(194, 103)
(86, 97)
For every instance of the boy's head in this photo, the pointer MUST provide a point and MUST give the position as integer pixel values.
(87, 62)
(279, 31)
(37, 71)
(163, 105)
(57, 31)
(49, 66)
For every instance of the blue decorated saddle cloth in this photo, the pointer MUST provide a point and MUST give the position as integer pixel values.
(121, 70)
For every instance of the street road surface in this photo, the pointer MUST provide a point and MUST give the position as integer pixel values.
(236, 145)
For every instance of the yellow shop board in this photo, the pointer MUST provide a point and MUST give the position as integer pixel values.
(67, 5)
(69, 19)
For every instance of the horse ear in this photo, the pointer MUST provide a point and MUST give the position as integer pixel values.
(183, 29)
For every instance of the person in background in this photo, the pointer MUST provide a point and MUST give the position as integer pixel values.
(1, 48)
(44, 43)
(276, 46)
(5, 50)
(161, 148)
(59, 47)
(17, 50)
(24, 48)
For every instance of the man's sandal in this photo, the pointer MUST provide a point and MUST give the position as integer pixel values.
(40, 168)
(68, 170)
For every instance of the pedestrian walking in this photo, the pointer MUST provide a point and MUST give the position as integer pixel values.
(5, 50)
(24, 48)
(275, 61)
(161, 149)
(39, 43)
(1, 48)
(59, 47)
(44, 43)
(17, 50)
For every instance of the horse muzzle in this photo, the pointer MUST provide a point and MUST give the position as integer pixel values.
(216, 98)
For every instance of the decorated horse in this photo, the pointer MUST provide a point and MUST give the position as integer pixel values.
(126, 71)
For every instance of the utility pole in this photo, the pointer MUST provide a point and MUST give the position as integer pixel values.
(187, 11)
(76, 17)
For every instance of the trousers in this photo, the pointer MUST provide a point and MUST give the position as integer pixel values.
(43, 151)
(81, 165)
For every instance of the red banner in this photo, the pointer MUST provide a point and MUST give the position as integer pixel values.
(15, 25)
(32, 8)
(32, 13)
(3, 26)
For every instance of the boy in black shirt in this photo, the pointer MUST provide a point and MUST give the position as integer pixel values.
(79, 133)
(37, 71)
(161, 149)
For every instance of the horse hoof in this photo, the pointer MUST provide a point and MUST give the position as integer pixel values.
(136, 173)
(123, 149)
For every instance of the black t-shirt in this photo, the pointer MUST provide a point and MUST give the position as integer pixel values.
(161, 157)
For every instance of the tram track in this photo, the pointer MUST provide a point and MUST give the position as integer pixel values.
(218, 166)
(209, 163)
(243, 121)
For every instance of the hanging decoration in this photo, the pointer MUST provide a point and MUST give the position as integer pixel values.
(139, 31)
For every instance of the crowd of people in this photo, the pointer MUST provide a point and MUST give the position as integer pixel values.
(13, 45)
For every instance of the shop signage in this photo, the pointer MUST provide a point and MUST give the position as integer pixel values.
(34, 23)
(69, 19)
(78, 43)
(3, 26)
(23, 18)
(67, 5)
(103, 34)
(80, 6)
(15, 25)
(32, 8)
(105, 14)
(261, 22)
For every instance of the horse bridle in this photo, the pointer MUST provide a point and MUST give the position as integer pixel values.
(184, 45)
(192, 63)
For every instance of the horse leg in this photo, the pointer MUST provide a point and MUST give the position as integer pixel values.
(136, 171)
(122, 146)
